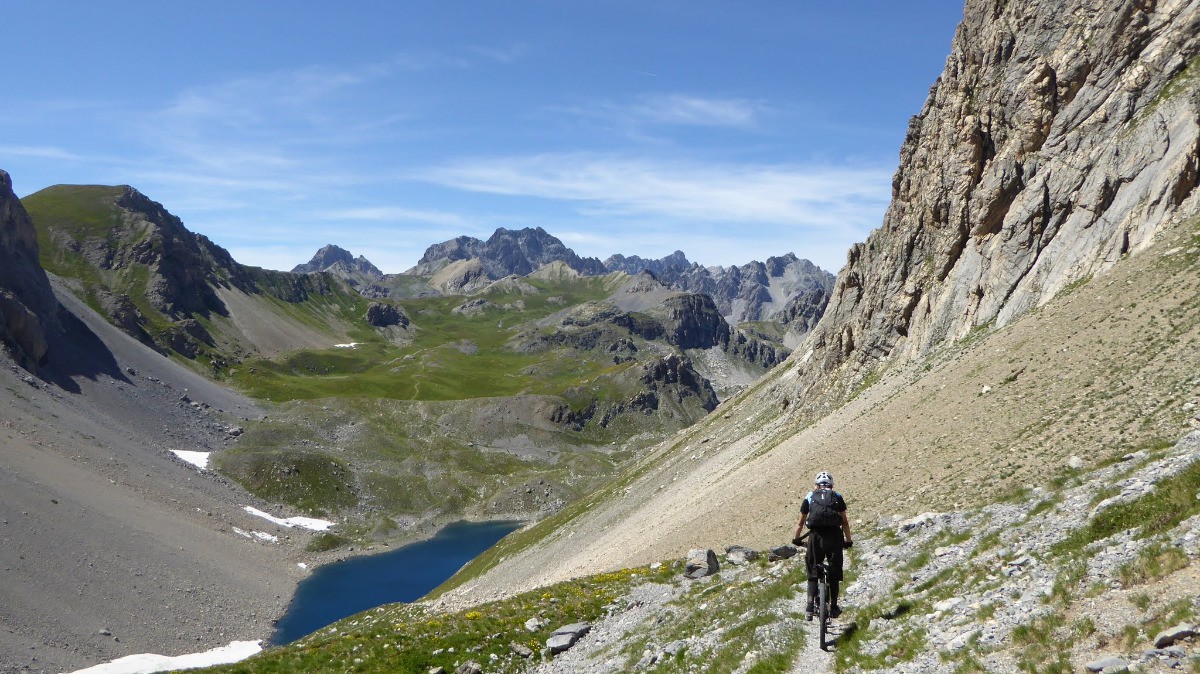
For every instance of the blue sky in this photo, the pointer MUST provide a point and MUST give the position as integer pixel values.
(731, 131)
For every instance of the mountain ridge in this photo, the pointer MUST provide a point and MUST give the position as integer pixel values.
(784, 290)
(138, 265)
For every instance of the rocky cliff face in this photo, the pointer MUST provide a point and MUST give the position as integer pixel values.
(1060, 137)
(182, 264)
(666, 268)
(27, 305)
(784, 289)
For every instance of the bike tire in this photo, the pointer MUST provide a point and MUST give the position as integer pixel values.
(823, 608)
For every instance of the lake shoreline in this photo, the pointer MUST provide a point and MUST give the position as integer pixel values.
(372, 577)
(259, 625)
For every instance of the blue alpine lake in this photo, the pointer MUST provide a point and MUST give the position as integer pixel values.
(339, 590)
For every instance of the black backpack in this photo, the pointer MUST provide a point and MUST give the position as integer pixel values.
(821, 509)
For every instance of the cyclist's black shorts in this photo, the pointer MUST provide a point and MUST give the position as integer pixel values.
(828, 541)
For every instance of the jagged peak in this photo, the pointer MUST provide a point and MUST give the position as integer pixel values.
(507, 251)
(335, 258)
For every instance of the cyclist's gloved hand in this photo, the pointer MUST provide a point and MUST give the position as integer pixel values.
(847, 544)
(798, 542)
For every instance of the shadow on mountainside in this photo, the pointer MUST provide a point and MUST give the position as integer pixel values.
(77, 352)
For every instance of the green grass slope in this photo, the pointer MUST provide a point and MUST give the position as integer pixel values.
(456, 420)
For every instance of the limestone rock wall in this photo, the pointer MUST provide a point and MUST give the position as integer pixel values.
(1060, 137)
(27, 304)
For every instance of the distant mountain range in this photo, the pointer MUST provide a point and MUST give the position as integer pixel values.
(785, 290)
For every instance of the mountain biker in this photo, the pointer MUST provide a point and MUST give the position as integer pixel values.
(830, 532)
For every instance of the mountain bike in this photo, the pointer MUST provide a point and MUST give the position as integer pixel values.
(821, 571)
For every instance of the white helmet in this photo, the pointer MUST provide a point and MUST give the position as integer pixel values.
(824, 478)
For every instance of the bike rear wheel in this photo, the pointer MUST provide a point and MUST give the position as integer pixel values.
(823, 608)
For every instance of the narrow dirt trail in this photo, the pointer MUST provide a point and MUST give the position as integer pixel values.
(811, 659)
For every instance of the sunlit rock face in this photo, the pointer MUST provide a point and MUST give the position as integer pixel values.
(1060, 137)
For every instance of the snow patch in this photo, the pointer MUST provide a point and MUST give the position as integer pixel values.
(310, 523)
(351, 345)
(197, 459)
(260, 535)
(147, 663)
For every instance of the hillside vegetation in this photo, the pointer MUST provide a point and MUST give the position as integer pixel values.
(451, 355)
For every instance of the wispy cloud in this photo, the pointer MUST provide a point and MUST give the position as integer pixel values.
(651, 113)
(257, 98)
(697, 110)
(751, 194)
(504, 55)
(39, 152)
(393, 214)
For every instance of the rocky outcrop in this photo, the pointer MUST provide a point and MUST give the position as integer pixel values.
(668, 386)
(382, 315)
(1060, 137)
(460, 277)
(27, 304)
(692, 321)
(675, 376)
(473, 307)
(644, 309)
(804, 310)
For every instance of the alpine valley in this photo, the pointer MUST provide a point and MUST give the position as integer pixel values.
(1002, 378)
